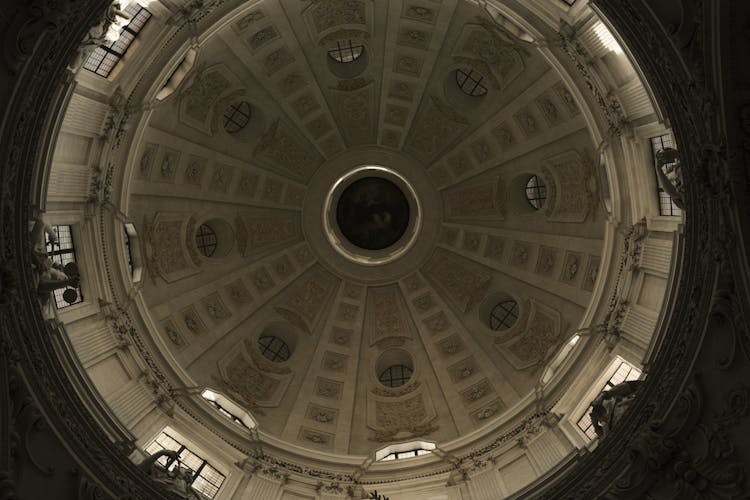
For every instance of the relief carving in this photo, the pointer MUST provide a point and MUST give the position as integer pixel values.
(327, 14)
(540, 338)
(464, 282)
(435, 128)
(572, 198)
(264, 231)
(285, 149)
(409, 417)
(306, 298)
(482, 198)
(386, 314)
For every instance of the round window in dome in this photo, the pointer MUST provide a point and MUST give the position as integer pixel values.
(395, 375)
(470, 82)
(536, 192)
(504, 315)
(346, 52)
(205, 240)
(237, 116)
(273, 348)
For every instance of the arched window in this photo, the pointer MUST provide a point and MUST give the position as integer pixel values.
(237, 116)
(470, 82)
(346, 52)
(395, 375)
(504, 315)
(273, 348)
(536, 192)
(205, 240)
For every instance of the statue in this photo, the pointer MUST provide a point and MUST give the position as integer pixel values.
(101, 33)
(51, 275)
(177, 480)
(669, 172)
(609, 406)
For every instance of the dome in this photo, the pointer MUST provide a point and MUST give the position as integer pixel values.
(328, 247)
(353, 217)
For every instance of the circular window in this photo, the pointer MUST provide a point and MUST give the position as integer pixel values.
(504, 315)
(205, 240)
(395, 375)
(470, 82)
(236, 117)
(346, 52)
(536, 192)
(273, 348)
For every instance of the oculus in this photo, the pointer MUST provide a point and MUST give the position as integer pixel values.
(372, 213)
(470, 82)
(504, 315)
(536, 192)
(346, 52)
(205, 240)
(236, 117)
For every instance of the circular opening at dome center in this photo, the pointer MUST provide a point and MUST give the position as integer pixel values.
(372, 213)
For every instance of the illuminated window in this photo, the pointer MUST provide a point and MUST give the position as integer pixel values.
(105, 57)
(205, 478)
(128, 254)
(62, 253)
(404, 450)
(273, 348)
(395, 375)
(504, 315)
(205, 240)
(405, 454)
(346, 52)
(624, 372)
(236, 117)
(470, 82)
(228, 408)
(536, 192)
(666, 204)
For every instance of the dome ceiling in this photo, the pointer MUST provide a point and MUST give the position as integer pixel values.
(255, 153)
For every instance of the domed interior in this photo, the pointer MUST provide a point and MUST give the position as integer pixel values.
(364, 225)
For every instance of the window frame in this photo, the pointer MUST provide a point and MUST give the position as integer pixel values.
(57, 256)
(483, 90)
(667, 207)
(514, 310)
(170, 463)
(538, 197)
(389, 370)
(236, 108)
(278, 356)
(206, 247)
(108, 48)
(348, 45)
(588, 428)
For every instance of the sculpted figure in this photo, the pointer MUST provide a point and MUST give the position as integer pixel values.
(100, 33)
(669, 172)
(609, 406)
(177, 480)
(51, 275)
